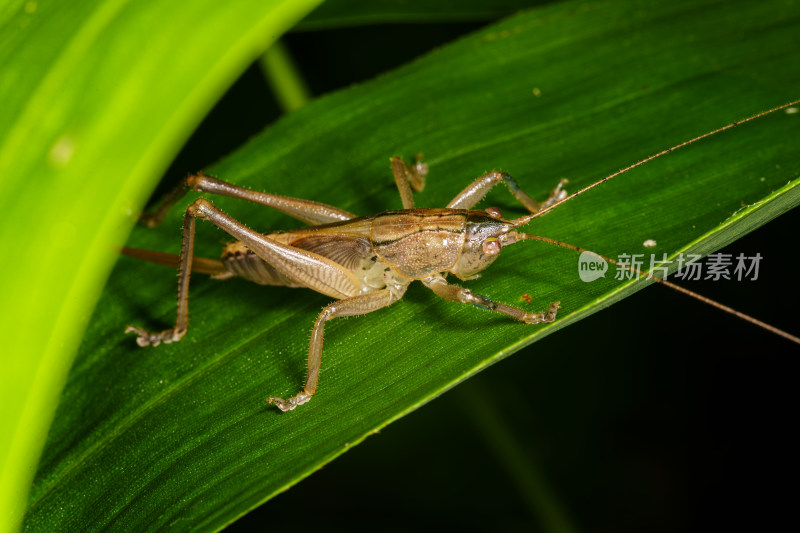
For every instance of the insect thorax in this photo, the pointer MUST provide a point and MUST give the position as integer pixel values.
(419, 242)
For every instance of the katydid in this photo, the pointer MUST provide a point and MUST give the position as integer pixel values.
(367, 263)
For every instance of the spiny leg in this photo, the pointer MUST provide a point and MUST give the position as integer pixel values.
(184, 272)
(406, 177)
(357, 305)
(307, 211)
(454, 293)
(306, 268)
(475, 191)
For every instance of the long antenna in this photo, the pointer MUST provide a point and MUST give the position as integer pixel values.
(524, 220)
(669, 284)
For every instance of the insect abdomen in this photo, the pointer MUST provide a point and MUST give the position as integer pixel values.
(242, 262)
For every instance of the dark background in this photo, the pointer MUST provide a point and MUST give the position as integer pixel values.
(616, 420)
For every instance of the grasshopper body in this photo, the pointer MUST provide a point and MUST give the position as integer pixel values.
(366, 263)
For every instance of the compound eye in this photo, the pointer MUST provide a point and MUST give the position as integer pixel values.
(493, 212)
(491, 247)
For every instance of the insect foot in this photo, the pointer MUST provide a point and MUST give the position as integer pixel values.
(545, 317)
(154, 339)
(419, 167)
(291, 403)
(557, 194)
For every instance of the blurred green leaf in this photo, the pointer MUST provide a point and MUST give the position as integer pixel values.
(178, 436)
(97, 98)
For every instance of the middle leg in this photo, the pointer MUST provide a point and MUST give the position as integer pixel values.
(357, 305)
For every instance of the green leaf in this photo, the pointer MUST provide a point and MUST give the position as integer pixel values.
(179, 437)
(358, 12)
(97, 98)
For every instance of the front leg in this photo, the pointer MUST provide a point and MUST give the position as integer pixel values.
(475, 191)
(454, 293)
(357, 305)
